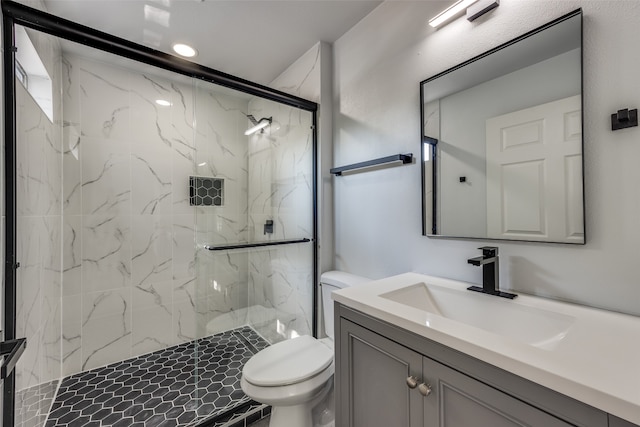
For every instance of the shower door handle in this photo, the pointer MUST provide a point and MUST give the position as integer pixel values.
(10, 351)
(231, 246)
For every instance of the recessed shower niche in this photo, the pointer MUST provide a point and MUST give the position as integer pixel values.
(205, 191)
(147, 274)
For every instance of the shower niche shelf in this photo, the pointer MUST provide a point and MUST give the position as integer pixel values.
(205, 191)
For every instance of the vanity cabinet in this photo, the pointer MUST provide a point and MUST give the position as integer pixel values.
(617, 422)
(374, 387)
(391, 385)
(386, 376)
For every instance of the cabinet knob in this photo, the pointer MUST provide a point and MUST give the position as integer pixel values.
(424, 389)
(412, 382)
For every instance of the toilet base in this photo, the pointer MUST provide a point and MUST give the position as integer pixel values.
(300, 415)
(287, 416)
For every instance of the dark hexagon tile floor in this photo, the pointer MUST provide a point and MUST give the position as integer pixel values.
(182, 385)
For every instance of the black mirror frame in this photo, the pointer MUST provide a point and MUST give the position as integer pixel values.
(430, 230)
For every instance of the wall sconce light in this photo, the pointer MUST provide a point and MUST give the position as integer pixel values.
(474, 10)
(478, 9)
(450, 12)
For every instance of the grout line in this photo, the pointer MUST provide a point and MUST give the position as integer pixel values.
(246, 342)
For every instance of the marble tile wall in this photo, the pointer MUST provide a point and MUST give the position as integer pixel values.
(305, 78)
(221, 276)
(281, 279)
(280, 173)
(39, 219)
(131, 271)
(281, 189)
(113, 264)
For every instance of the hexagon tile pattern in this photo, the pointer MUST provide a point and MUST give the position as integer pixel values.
(33, 403)
(204, 191)
(184, 385)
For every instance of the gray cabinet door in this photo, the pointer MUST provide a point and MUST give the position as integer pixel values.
(617, 422)
(373, 381)
(457, 400)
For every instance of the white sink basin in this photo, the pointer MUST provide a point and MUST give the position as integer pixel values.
(540, 328)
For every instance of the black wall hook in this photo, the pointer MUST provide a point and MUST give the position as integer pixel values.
(624, 119)
(268, 226)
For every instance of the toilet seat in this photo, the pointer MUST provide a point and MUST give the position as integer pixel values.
(288, 362)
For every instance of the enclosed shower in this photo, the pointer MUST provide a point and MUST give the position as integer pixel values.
(152, 247)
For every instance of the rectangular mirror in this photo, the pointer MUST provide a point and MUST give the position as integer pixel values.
(502, 141)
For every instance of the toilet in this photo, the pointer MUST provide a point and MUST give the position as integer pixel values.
(295, 375)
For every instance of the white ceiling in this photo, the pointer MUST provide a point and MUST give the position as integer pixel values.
(253, 39)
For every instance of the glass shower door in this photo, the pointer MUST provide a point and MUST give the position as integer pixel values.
(160, 246)
(254, 230)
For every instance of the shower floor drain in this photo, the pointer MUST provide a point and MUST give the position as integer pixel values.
(178, 386)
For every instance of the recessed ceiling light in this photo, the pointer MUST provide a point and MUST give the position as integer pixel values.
(184, 50)
(163, 102)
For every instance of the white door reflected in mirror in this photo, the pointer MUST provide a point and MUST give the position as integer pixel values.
(534, 173)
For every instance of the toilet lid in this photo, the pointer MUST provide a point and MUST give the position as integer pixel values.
(288, 362)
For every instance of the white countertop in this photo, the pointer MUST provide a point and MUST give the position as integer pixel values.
(597, 362)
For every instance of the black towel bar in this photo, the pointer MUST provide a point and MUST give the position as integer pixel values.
(404, 158)
(254, 245)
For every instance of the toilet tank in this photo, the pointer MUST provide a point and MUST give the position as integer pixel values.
(333, 281)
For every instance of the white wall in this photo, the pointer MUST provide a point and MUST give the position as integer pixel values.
(378, 66)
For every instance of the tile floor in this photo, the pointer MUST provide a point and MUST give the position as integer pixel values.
(32, 404)
(185, 385)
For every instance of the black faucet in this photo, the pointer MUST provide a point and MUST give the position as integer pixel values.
(490, 273)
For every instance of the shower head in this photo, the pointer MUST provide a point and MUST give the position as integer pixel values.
(258, 125)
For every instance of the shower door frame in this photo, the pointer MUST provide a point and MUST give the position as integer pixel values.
(18, 14)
